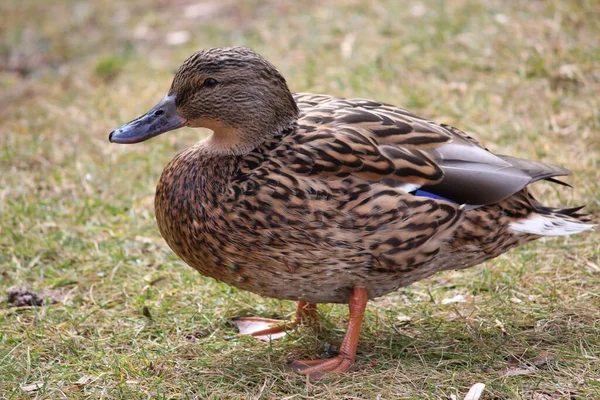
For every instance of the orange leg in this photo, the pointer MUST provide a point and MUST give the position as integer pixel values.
(267, 329)
(315, 369)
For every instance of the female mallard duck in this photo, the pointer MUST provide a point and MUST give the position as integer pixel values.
(321, 199)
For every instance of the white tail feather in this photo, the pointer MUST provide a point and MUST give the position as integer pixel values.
(550, 225)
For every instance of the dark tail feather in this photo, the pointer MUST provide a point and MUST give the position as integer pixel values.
(554, 180)
(569, 211)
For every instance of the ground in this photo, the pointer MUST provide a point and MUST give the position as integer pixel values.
(124, 318)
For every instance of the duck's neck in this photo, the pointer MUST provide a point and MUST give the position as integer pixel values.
(236, 141)
(197, 170)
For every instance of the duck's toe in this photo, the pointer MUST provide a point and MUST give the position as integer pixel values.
(317, 369)
(265, 329)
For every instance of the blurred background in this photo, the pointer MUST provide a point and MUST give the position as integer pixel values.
(125, 318)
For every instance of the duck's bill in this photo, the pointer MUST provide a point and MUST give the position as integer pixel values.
(161, 118)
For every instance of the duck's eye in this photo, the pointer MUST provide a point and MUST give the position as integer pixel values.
(210, 82)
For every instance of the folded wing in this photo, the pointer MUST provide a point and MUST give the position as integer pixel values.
(382, 143)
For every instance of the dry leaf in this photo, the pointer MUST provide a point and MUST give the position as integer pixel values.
(516, 300)
(178, 38)
(85, 379)
(347, 46)
(32, 387)
(475, 392)
(459, 298)
(520, 371)
(543, 358)
(403, 318)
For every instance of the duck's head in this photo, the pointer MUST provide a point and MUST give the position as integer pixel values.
(233, 91)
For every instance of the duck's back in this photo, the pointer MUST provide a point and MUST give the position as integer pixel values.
(357, 193)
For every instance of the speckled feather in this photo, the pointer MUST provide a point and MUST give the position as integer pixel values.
(325, 205)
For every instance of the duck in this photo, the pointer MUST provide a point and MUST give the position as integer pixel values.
(321, 199)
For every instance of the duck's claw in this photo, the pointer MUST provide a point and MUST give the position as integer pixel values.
(316, 369)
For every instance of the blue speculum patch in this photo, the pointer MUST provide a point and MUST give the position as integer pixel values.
(423, 193)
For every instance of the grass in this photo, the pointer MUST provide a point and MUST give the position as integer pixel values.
(134, 322)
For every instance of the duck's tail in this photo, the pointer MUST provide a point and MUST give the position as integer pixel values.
(546, 221)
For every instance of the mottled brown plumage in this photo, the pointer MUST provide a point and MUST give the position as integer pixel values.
(309, 197)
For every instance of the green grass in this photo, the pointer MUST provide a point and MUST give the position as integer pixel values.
(77, 212)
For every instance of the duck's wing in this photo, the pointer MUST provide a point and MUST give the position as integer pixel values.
(475, 176)
(379, 142)
(341, 137)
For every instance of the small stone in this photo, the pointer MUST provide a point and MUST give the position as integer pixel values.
(198, 335)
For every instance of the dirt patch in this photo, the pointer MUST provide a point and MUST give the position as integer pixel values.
(21, 296)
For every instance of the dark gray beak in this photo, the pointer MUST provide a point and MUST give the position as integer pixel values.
(161, 118)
